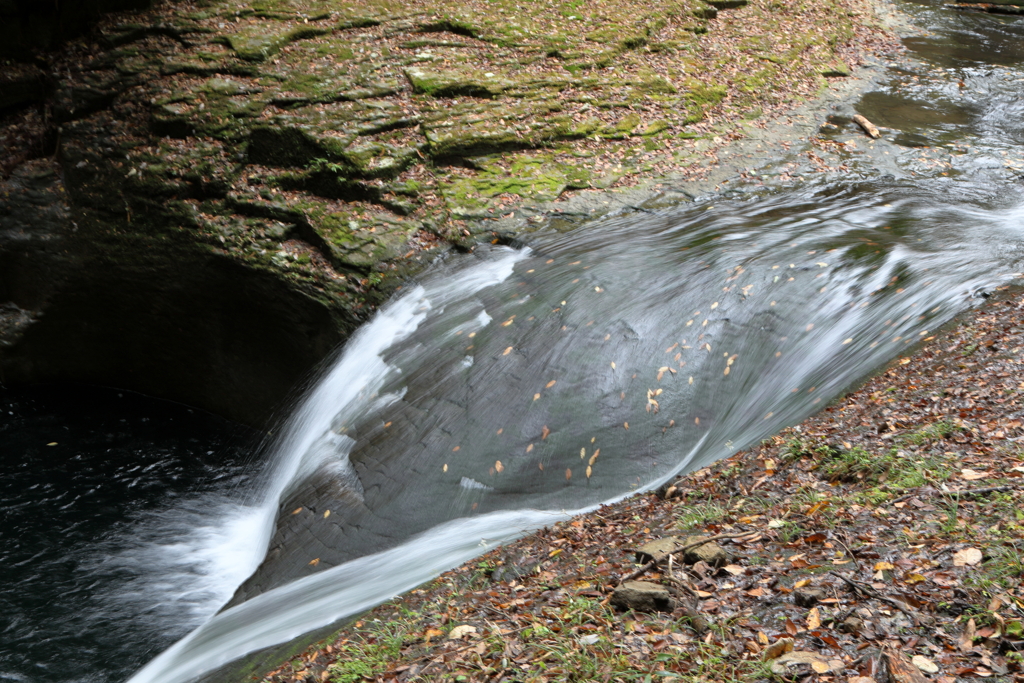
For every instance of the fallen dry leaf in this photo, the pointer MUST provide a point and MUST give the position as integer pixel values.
(924, 664)
(966, 641)
(901, 671)
(966, 557)
(461, 632)
(777, 649)
(792, 660)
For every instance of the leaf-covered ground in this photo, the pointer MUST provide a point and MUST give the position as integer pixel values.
(886, 543)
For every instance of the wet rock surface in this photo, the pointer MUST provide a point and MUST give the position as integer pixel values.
(757, 623)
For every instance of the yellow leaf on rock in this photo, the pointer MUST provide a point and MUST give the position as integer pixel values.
(327, 513)
(498, 466)
(820, 667)
(801, 583)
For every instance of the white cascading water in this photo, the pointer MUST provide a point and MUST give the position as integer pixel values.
(348, 388)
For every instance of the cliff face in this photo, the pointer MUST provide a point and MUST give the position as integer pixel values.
(88, 299)
(27, 25)
(199, 201)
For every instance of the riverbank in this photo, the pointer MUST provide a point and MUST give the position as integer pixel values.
(881, 538)
(272, 171)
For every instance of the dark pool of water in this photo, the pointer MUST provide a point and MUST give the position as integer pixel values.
(104, 502)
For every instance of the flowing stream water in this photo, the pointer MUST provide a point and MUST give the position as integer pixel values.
(512, 387)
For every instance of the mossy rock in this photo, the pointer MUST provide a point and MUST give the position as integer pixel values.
(360, 239)
(656, 127)
(278, 145)
(228, 87)
(623, 128)
(706, 95)
(835, 69)
(496, 128)
(258, 44)
(451, 24)
(456, 82)
(356, 21)
(358, 141)
(486, 137)
(533, 176)
(614, 35)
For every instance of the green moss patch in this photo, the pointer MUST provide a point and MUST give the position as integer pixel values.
(258, 44)
(457, 82)
(535, 177)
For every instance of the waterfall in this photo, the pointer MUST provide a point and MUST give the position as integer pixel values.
(518, 387)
